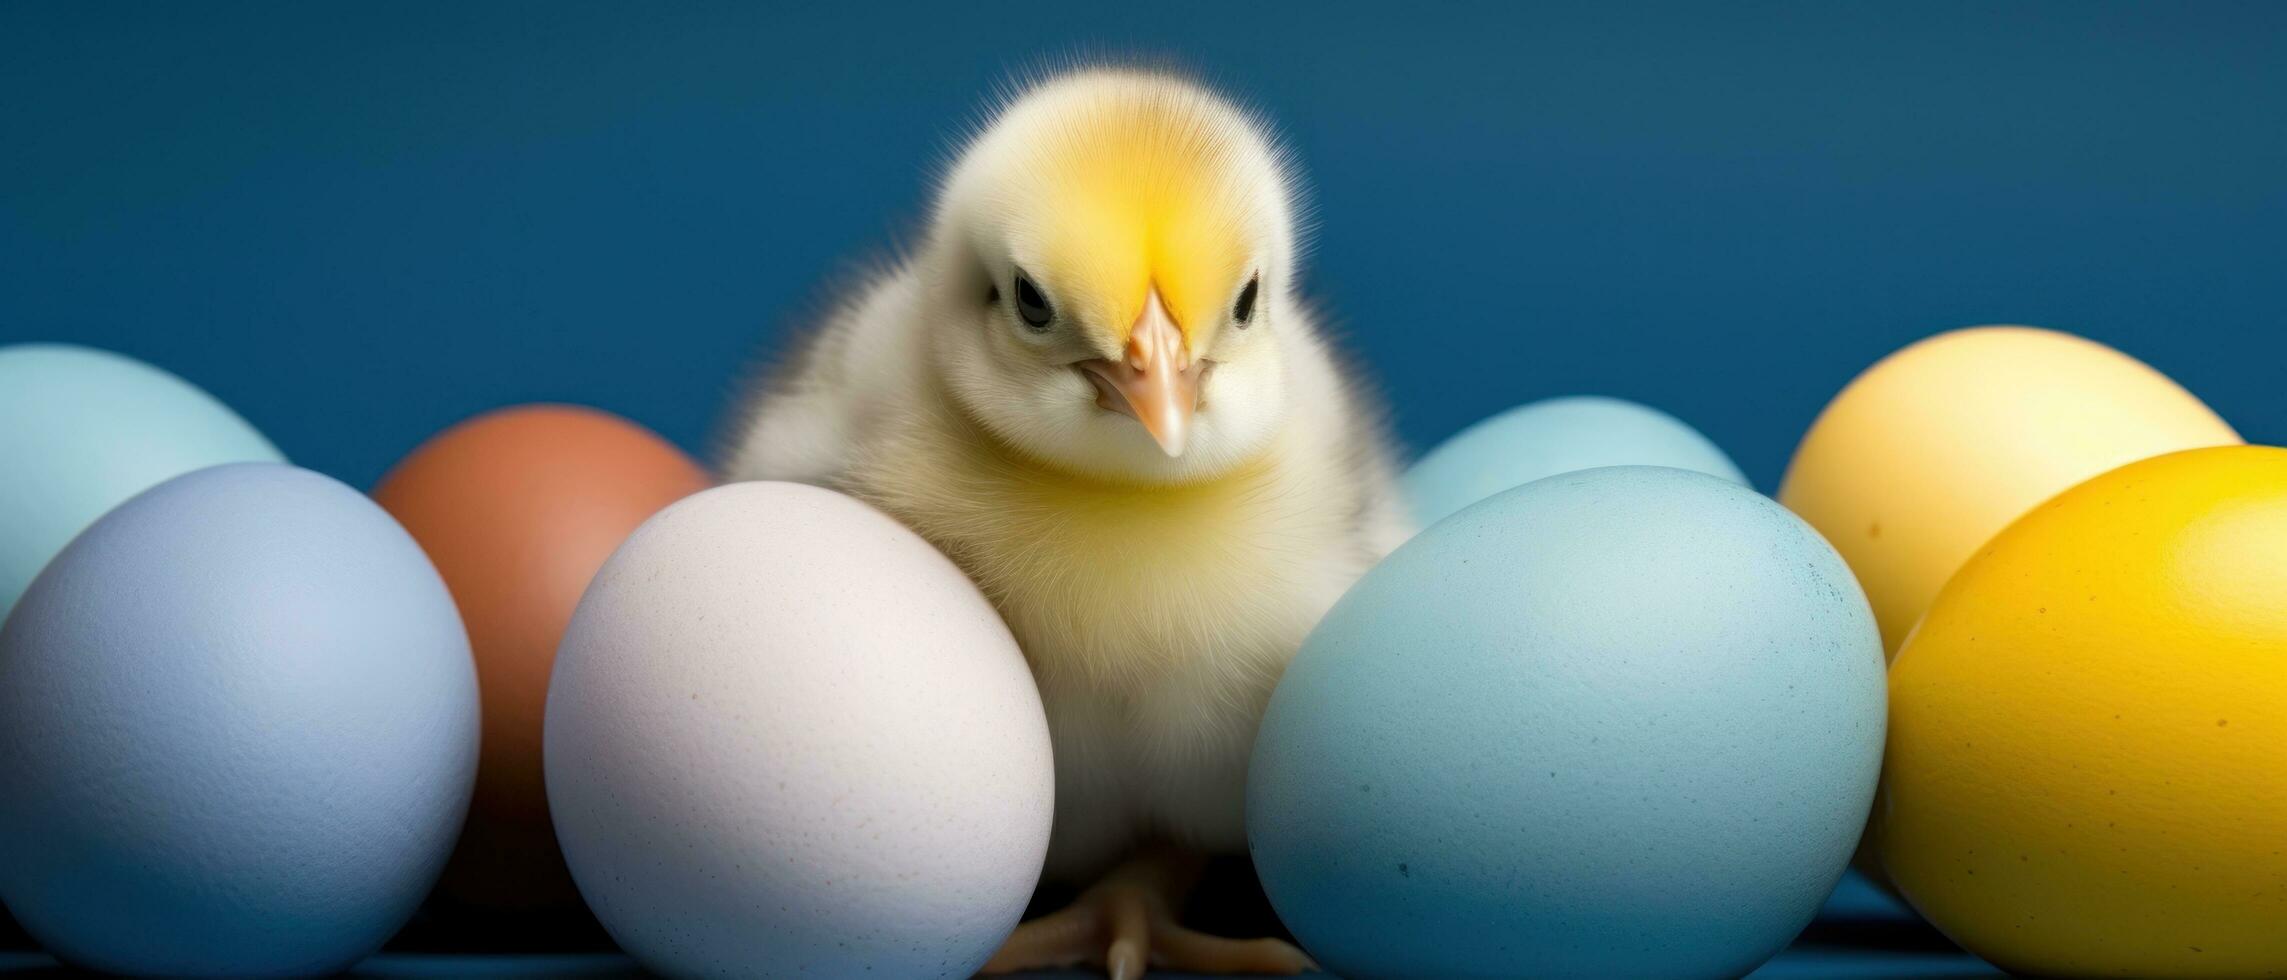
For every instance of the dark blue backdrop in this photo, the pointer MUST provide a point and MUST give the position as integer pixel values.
(360, 223)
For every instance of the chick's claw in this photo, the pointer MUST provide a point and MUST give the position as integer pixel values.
(1113, 930)
(1127, 923)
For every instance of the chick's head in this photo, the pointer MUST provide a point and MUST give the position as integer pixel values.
(1113, 259)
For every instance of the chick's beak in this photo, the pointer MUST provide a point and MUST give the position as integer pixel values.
(1157, 382)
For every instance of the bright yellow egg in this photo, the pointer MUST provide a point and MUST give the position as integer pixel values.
(1937, 447)
(2087, 766)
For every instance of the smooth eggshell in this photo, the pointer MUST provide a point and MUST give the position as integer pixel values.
(82, 430)
(2088, 744)
(1933, 450)
(518, 508)
(238, 727)
(1618, 722)
(787, 737)
(1545, 438)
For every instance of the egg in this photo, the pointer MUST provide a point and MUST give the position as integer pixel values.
(1617, 722)
(2088, 747)
(1933, 450)
(518, 508)
(786, 737)
(82, 430)
(238, 728)
(1545, 438)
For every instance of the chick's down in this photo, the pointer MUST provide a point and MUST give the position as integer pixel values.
(1094, 387)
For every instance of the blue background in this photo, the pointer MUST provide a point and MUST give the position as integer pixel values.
(358, 224)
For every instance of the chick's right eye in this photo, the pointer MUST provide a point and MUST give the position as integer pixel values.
(1031, 304)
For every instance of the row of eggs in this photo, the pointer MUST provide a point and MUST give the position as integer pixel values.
(1628, 720)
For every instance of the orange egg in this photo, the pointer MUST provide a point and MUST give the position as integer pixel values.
(518, 508)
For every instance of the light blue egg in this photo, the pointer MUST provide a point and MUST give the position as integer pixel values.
(1555, 436)
(82, 430)
(1618, 722)
(238, 731)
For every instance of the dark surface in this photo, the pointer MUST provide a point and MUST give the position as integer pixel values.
(1860, 933)
(358, 224)
(1803, 961)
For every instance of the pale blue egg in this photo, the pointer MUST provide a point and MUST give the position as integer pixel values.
(82, 430)
(1555, 436)
(238, 731)
(1617, 722)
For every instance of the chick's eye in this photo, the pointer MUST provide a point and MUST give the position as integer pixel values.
(1244, 309)
(1031, 304)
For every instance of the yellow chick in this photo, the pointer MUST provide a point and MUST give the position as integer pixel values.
(1094, 387)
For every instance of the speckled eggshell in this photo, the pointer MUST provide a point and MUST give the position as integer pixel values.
(82, 430)
(1619, 722)
(786, 737)
(1545, 438)
(238, 728)
(2088, 756)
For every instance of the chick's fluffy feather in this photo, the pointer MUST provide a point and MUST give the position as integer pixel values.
(1156, 612)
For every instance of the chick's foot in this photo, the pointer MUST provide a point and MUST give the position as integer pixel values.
(1126, 922)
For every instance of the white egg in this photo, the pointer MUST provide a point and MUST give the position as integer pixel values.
(785, 736)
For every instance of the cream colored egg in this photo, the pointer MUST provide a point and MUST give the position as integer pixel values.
(1935, 449)
(786, 737)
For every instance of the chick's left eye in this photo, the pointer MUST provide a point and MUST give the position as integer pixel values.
(1244, 309)
(1031, 304)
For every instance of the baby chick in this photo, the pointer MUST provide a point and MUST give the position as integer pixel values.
(1094, 388)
